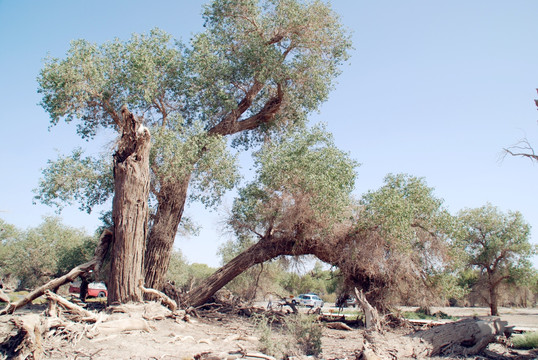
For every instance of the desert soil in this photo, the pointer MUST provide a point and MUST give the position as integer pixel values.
(219, 336)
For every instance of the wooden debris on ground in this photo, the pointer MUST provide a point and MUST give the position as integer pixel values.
(171, 304)
(94, 264)
(338, 326)
(21, 337)
(462, 338)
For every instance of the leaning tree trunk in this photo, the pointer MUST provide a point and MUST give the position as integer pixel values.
(163, 232)
(264, 250)
(129, 210)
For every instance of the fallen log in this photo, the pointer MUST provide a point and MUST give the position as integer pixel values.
(338, 326)
(465, 337)
(460, 339)
(95, 263)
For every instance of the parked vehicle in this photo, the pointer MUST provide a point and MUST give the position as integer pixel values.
(95, 289)
(310, 300)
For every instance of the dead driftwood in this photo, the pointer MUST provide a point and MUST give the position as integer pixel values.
(21, 337)
(371, 316)
(79, 312)
(338, 326)
(94, 264)
(462, 338)
(171, 304)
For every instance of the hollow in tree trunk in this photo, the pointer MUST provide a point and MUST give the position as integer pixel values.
(129, 210)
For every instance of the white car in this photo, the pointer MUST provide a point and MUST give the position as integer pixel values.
(310, 300)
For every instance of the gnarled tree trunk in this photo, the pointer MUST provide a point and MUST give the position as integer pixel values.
(264, 250)
(172, 196)
(163, 232)
(129, 210)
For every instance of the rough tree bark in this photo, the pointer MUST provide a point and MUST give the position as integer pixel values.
(264, 250)
(493, 300)
(163, 232)
(129, 210)
(172, 196)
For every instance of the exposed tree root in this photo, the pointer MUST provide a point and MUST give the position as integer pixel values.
(171, 304)
(21, 337)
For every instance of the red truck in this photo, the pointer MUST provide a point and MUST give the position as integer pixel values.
(95, 289)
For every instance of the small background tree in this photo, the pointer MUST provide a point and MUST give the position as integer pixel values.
(496, 244)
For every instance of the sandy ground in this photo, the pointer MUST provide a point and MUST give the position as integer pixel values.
(218, 336)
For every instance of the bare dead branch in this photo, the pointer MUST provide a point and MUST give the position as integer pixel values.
(171, 304)
(523, 149)
(74, 308)
(101, 250)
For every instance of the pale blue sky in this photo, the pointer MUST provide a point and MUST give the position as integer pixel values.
(435, 89)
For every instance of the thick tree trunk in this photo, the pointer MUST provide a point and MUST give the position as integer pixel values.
(265, 250)
(163, 232)
(129, 211)
(258, 253)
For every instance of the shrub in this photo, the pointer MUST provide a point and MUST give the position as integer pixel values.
(525, 341)
(298, 335)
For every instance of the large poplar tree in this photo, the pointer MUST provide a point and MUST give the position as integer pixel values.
(259, 67)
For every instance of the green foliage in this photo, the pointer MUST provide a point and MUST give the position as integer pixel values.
(76, 255)
(35, 255)
(528, 340)
(291, 46)
(181, 151)
(75, 178)
(318, 281)
(421, 314)
(185, 275)
(496, 243)
(404, 210)
(93, 82)
(178, 269)
(273, 60)
(411, 221)
(303, 178)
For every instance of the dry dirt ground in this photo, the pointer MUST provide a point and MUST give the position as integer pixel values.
(219, 336)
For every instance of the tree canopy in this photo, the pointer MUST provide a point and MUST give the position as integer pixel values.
(497, 244)
(258, 68)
